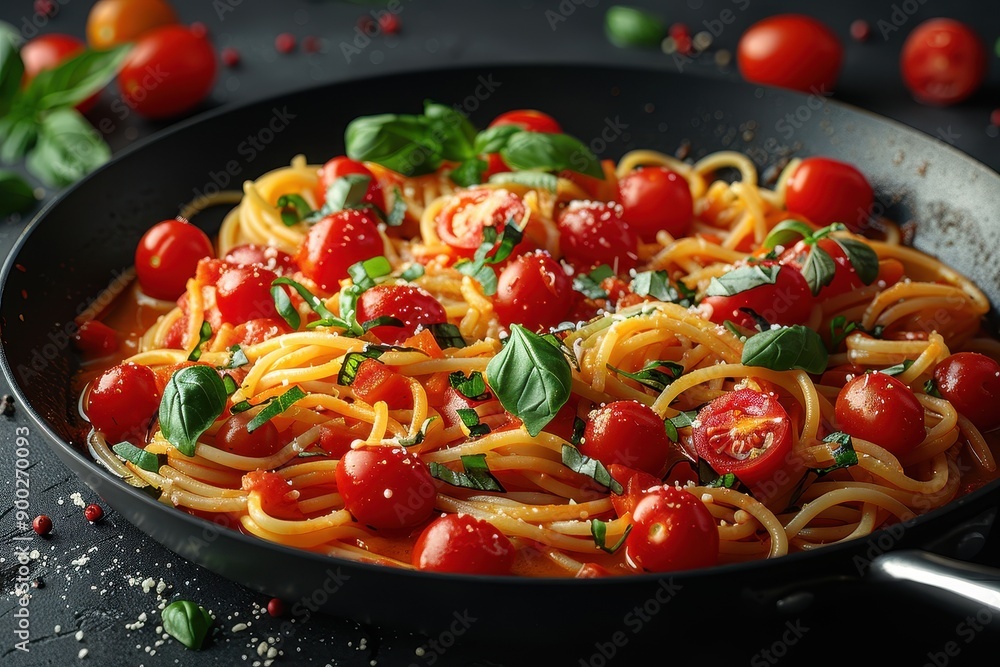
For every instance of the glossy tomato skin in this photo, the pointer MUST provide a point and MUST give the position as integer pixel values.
(462, 219)
(46, 52)
(122, 402)
(234, 437)
(170, 70)
(342, 166)
(634, 484)
(845, 276)
(533, 290)
(970, 381)
(374, 381)
(386, 488)
(627, 433)
(114, 22)
(747, 433)
(787, 301)
(335, 243)
(265, 256)
(656, 198)
(243, 293)
(943, 61)
(412, 305)
(791, 51)
(526, 119)
(881, 409)
(167, 255)
(672, 531)
(824, 191)
(96, 338)
(463, 544)
(256, 331)
(592, 233)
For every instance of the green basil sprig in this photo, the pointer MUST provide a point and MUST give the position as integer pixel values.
(531, 378)
(657, 285)
(844, 455)
(786, 348)
(491, 251)
(630, 26)
(472, 386)
(657, 375)
(187, 622)
(579, 462)
(742, 279)
(193, 399)
(819, 266)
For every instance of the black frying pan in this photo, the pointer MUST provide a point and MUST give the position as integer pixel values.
(79, 243)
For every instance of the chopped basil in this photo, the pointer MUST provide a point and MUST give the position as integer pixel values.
(242, 406)
(839, 329)
(470, 419)
(312, 454)
(589, 284)
(733, 329)
(352, 361)
(632, 27)
(419, 436)
(742, 279)
(394, 217)
(447, 335)
(275, 407)
(230, 384)
(237, 358)
(347, 191)
(931, 389)
(484, 275)
(294, 209)
(762, 324)
(412, 272)
(365, 272)
(527, 151)
(579, 428)
(283, 304)
(140, 457)
(203, 335)
(348, 298)
(531, 378)
(897, 369)
(472, 387)
(476, 474)
(186, 622)
(786, 348)
(599, 531)
(538, 180)
(652, 374)
(657, 285)
(193, 399)
(382, 321)
(707, 476)
(576, 461)
(844, 455)
(682, 420)
(510, 237)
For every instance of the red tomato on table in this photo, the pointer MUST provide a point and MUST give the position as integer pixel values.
(48, 51)
(943, 61)
(791, 51)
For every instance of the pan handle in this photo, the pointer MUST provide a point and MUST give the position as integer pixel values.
(958, 580)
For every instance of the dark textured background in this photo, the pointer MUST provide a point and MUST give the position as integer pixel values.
(93, 596)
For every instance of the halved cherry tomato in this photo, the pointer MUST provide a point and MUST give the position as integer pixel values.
(628, 433)
(412, 305)
(374, 381)
(462, 219)
(825, 191)
(786, 301)
(335, 243)
(170, 70)
(673, 530)
(386, 488)
(656, 198)
(122, 402)
(266, 256)
(96, 338)
(234, 437)
(167, 255)
(970, 381)
(276, 494)
(791, 51)
(526, 119)
(114, 22)
(634, 483)
(943, 61)
(244, 293)
(594, 233)
(46, 52)
(534, 291)
(744, 432)
(881, 409)
(463, 544)
(342, 166)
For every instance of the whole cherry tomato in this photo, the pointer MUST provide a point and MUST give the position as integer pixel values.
(944, 61)
(655, 198)
(791, 51)
(464, 544)
(386, 488)
(167, 255)
(673, 530)
(825, 191)
(971, 382)
(881, 409)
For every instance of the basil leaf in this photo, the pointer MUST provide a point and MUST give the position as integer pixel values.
(818, 269)
(599, 531)
(447, 335)
(931, 389)
(352, 361)
(382, 321)
(657, 284)
(539, 180)
(186, 622)
(576, 461)
(681, 420)
(629, 26)
(365, 272)
(68, 148)
(707, 476)
(275, 407)
(18, 133)
(345, 192)
(742, 279)
(862, 258)
(651, 374)
(140, 457)
(237, 358)
(419, 436)
(314, 301)
(283, 304)
(294, 209)
(477, 474)
(193, 399)
(481, 273)
(897, 369)
(395, 216)
(468, 173)
(526, 151)
(493, 139)
(839, 329)
(349, 310)
(579, 427)
(786, 348)
(11, 72)
(453, 129)
(472, 387)
(844, 455)
(787, 231)
(589, 284)
(509, 238)
(530, 377)
(16, 196)
(412, 272)
(230, 384)
(75, 79)
(470, 419)
(243, 406)
(401, 143)
(203, 335)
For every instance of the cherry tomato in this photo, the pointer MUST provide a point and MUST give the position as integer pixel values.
(672, 531)
(266, 256)
(656, 198)
(167, 255)
(594, 233)
(386, 488)
(122, 402)
(342, 166)
(526, 119)
(971, 383)
(234, 437)
(256, 331)
(879, 408)
(628, 433)
(335, 243)
(410, 304)
(825, 191)
(244, 293)
(534, 291)
(374, 381)
(634, 482)
(943, 61)
(591, 571)
(170, 70)
(114, 22)
(275, 494)
(96, 338)
(460, 222)
(744, 432)
(464, 544)
(786, 301)
(845, 276)
(46, 52)
(791, 51)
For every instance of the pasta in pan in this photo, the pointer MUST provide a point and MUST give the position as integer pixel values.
(544, 367)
